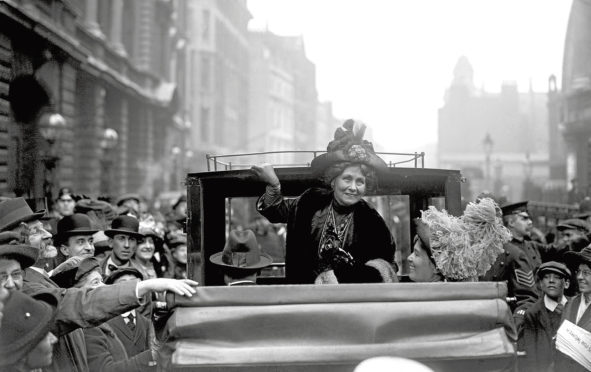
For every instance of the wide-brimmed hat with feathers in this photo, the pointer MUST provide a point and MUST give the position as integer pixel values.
(348, 145)
(464, 247)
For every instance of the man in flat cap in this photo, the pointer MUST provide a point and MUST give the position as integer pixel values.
(542, 319)
(574, 233)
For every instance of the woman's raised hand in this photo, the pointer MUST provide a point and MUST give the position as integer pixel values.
(265, 173)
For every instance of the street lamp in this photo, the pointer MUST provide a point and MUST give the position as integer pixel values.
(108, 142)
(51, 126)
(175, 152)
(487, 144)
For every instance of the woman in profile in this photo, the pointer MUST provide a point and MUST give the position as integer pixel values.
(449, 248)
(333, 235)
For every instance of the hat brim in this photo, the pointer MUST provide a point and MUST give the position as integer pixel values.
(324, 161)
(541, 273)
(31, 217)
(27, 342)
(265, 260)
(25, 254)
(112, 232)
(574, 259)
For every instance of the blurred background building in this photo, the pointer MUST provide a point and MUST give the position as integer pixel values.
(114, 96)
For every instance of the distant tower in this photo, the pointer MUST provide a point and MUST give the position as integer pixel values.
(462, 84)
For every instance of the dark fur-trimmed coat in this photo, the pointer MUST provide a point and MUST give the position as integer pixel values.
(371, 238)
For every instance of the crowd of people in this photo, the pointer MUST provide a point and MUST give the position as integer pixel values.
(79, 284)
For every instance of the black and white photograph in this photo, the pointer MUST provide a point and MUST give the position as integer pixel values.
(295, 185)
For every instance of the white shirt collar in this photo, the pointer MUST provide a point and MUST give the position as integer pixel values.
(126, 314)
(40, 271)
(551, 304)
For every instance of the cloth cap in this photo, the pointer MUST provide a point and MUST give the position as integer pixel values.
(553, 267)
(574, 224)
(241, 252)
(69, 278)
(128, 196)
(514, 208)
(123, 271)
(574, 259)
(16, 210)
(26, 321)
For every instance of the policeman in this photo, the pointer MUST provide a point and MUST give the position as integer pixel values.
(519, 261)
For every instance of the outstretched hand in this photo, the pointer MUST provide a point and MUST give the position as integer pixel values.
(265, 173)
(68, 264)
(182, 287)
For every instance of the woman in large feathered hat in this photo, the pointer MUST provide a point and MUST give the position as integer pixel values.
(333, 235)
(457, 248)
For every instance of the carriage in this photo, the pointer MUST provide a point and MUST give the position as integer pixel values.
(279, 327)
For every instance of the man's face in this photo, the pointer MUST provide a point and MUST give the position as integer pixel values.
(584, 279)
(180, 254)
(125, 278)
(521, 225)
(93, 279)
(41, 239)
(11, 274)
(65, 205)
(123, 246)
(553, 285)
(78, 245)
(572, 235)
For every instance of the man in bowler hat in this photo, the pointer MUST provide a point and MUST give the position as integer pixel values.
(241, 259)
(123, 238)
(74, 236)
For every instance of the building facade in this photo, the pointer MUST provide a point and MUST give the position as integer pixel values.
(572, 107)
(104, 67)
(498, 140)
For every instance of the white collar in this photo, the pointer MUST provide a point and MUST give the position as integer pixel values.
(126, 314)
(40, 271)
(551, 304)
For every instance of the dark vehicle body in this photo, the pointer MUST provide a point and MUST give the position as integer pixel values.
(279, 327)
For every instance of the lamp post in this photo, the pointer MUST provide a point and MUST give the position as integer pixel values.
(108, 143)
(528, 183)
(175, 152)
(487, 144)
(51, 126)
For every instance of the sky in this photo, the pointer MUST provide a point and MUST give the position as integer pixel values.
(389, 62)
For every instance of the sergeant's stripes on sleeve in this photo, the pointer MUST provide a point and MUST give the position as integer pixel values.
(525, 278)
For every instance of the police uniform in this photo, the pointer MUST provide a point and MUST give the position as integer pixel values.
(516, 266)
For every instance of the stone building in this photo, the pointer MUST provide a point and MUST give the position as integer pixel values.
(105, 68)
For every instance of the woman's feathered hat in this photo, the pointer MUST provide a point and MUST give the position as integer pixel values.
(348, 145)
(464, 247)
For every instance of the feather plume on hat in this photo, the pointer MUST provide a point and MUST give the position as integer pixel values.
(466, 247)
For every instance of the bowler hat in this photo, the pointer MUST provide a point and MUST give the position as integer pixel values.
(16, 210)
(11, 245)
(241, 252)
(69, 278)
(123, 271)
(76, 224)
(553, 267)
(574, 224)
(127, 196)
(514, 208)
(574, 259)
(26, 321)
(348, 145)
(126, 225)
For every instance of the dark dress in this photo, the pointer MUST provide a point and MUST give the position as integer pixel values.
(367, 237)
